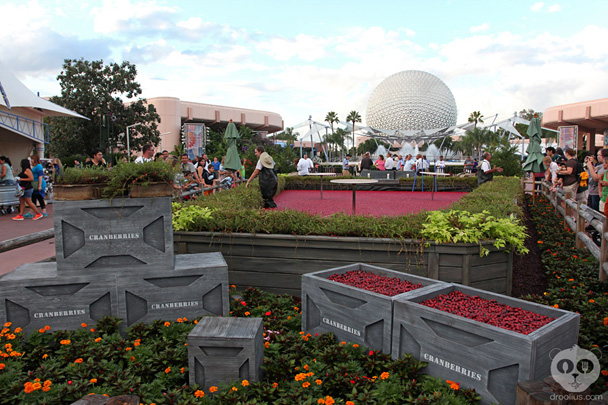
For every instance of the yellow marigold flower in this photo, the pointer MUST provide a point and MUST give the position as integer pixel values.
(244, 383)
(199, 394)
(319, 382)
(65, 342)
(167, 370)
(212, 389)
(167, 323)
(306, 384)
(384, 375)
(93, 380)
(79, 360)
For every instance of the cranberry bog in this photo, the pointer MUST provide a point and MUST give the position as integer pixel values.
(355, 314)
(478, 355)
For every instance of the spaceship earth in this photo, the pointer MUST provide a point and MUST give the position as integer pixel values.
(411, 100)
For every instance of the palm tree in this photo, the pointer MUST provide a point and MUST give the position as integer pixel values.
(476, 117)
(353, 117)
(332, 118)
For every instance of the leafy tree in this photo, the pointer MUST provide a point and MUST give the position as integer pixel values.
(528, 114)
(476, 117)
(353, 117)
(371, 146)
(107, 94)
(287, 135)
(476, 141)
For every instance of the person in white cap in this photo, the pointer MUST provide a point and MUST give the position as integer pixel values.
(268, 178)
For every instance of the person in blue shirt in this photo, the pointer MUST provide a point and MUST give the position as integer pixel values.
(345, 166)
(39, 186)
(216, 164)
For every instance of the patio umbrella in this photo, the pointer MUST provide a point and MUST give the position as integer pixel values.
(534, 162)
(232, 161)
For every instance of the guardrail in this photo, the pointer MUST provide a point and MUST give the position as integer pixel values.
(576, 216)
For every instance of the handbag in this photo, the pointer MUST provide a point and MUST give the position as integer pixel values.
(19, 191)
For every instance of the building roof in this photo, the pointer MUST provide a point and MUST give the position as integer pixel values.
(590, 116)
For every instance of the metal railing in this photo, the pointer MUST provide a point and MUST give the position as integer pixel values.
(577, 216)
(35, 130)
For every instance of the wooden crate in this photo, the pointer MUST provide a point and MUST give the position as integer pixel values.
(477, 355)
(197, 286)
(33, 296)
(221, 350)
(352, 314)
(113, 235)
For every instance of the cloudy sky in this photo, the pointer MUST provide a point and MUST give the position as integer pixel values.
(310, 57)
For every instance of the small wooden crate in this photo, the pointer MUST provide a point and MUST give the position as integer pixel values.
(33, 296)
(197, 286)
(113, 235)
(477, 355)
(221, 350)
(352, 314)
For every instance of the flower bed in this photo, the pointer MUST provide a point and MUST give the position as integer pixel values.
(366, 280)
(60, 367)
(489, 312)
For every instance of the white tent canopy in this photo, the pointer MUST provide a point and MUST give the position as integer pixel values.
(18, 95)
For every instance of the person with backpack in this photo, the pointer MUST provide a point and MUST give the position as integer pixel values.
(569, 171)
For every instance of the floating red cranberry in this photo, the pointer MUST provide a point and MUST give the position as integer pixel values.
(369, 281)
(489, 312)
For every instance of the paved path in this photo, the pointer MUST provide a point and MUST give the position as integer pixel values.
(29, 254)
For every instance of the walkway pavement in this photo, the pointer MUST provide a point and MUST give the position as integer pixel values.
(10, 229)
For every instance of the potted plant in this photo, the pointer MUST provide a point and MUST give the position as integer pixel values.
(149, 179)
(80, 184)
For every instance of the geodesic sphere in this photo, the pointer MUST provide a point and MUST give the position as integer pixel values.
(411, 100)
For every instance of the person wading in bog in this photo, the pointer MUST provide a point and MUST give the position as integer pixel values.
(268, 178)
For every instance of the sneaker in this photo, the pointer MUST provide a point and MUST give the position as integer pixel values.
(28, 215)
(37, 217)
(18, 218)
(44, 214)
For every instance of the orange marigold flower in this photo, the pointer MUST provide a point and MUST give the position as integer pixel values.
(47, 327)
(244, 383)
(320, 401)
(92, 330)
(319, 382)
(47, 383)
(267, 344)
(181, 370)
(180, 320)
(97, 340)
(592, 301)
(18, 330)
(350, 403)
(605, 321)
(41, 330)
(44, 356)
(128, 349)
(234, 389)
(93, 380)
(65, 342)
(136, 343)
(306, 384)
(8, 324)
(84, 325)
(46, 389)
(167, 323)
(10, 336)
(78, 360)
(2, 365)
(300, 377)
(540, 242)
(37, 386)
(167, 370)
(199, 394)
(384, 375)
(274, 385)
(247, 313)
(329, 400)
(355, 345)
(604, 372)
(212, 389)
(453, 385)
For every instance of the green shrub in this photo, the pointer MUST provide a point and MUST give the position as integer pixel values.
(86, 175)
(123, 175)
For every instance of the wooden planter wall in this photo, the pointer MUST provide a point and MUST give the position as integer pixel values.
(275, 263)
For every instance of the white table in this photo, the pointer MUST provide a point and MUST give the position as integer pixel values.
(435, 175)
(321, 175)
(354, 183)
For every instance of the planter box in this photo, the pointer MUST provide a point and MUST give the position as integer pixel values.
(221, 350)
(477, 355)
(33, 296)
(350, 313)
(74, 192)
(157, 189)
(113, 235)
(276, 263)
(378, 174)
(197, 287)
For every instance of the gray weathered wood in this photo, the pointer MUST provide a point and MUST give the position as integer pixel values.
(26, 240)
(197, 287)
(284, 258)
(113, 235)
(476, 355)
(34, 295)
(221, 350)
(352, 314)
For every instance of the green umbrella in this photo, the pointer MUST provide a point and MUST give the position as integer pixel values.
(232, 161)
(534, 162)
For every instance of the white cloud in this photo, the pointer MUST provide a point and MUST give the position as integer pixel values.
(409, 32)
(554, 8)
(124, 15)
(304, 47)
(480, 28)
(537, 6)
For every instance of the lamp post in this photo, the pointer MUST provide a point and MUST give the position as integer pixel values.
(128, 146)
